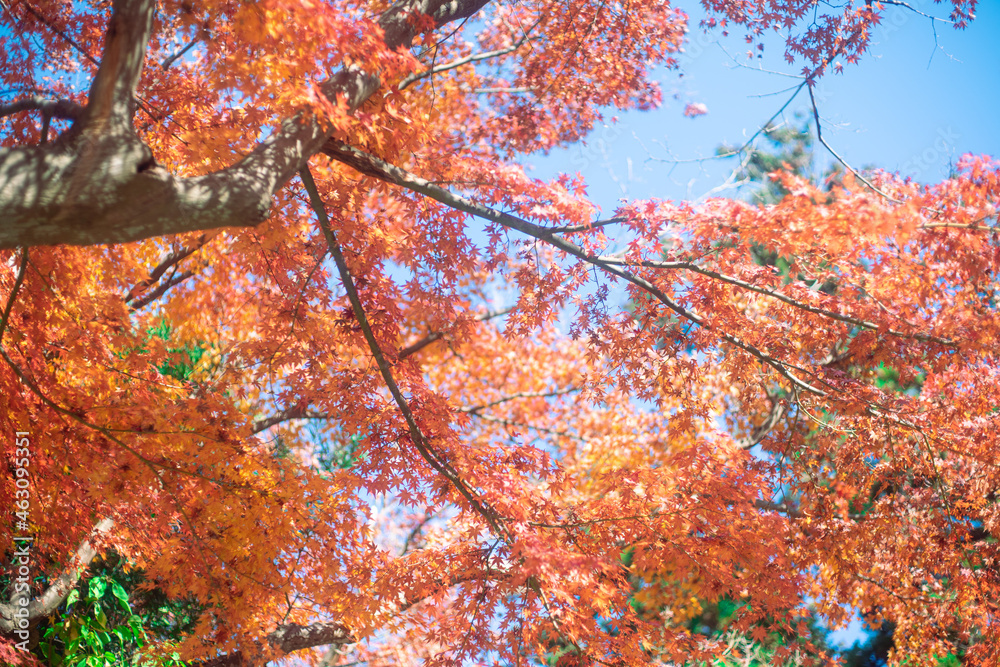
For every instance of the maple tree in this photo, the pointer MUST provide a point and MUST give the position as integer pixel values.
(251, 332)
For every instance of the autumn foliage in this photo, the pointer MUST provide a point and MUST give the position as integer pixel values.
(417, 410)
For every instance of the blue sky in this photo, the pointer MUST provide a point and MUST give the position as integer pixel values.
(914, 104)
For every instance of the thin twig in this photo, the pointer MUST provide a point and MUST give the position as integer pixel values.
(836, 155)
(514, 397)
(168, 262)
(418, 345)
(18, 281)
(475, 57)
(721, 277)
(160, 290)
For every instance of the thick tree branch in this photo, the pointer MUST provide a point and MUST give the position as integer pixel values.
(288, 638)
(112, 93)
(66, 109)
(54, 595)
(100, 184)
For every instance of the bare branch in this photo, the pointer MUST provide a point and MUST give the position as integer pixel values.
(836, 155)
(899, 3)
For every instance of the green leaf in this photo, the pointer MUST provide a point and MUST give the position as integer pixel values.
(73, 596)
(100, 617)
(118, 591)
(97, 587)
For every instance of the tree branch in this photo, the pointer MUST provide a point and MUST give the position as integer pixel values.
(377, 168)
(294, 412)
(514, 397)
(774, 415)
(301, 412)
(161, 289)
(66, 109)
(98, 186)
(112, 93)
(288, 638)
(54, 595)
(169, 262)
(721, 277)
(18, 281)
(475, 57)
(437, 461)
(418, 345)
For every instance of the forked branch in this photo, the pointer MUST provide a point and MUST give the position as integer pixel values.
(429, 453)
(377, 168)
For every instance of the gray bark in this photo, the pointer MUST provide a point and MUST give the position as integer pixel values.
(99, 183)
(289, 638)
(53, 596)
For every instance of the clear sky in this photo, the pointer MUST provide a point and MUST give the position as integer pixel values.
(922, 96)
